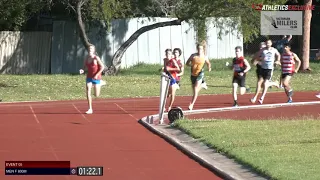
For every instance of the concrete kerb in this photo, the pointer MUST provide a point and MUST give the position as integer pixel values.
(218, 163)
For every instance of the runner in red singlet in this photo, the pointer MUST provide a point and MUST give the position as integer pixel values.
(172, 68)
(94, 67)
(240, 68)
(177, 54)
(288, 61)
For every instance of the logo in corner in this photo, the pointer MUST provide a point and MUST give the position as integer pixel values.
(257, 7)
(271, 20)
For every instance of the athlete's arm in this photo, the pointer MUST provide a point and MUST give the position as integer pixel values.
(278, 56)
(188, 63)
(255, 56)
(296, 58)
(259, 55)
(81, 71)
(208, 63)
(248, 67)
(289, 38)
(100, 63)
(181, 69)
(177, 67)
(164, 65)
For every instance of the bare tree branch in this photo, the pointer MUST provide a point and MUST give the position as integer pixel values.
(83, 35)
(82, 2)
(167, 7)
(116, 59)
(70, 6)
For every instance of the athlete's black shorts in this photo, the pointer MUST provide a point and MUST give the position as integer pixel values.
(265, 74)
(286, 74)
(240, 80)
(258, 70)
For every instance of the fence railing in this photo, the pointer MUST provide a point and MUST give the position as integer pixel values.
(25, 52)
(61, 51)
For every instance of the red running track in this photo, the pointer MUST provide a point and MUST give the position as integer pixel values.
(111, 137)
(285, 112)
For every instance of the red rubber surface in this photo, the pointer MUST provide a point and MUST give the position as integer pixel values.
(111, 137)
(288, 112)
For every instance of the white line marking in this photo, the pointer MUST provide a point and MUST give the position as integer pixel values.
(263, 106)
(34, 114)
(58, 102)
(126, 111)
(81, 113)
(123, 99)
(44, 134)
(81, 101)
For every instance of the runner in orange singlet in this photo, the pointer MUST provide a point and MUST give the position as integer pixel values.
(197, 61)
(95, 67)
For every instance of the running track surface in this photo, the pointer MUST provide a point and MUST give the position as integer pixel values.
(111, 137)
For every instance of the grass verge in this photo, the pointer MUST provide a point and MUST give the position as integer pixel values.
(280, 149)
(139, 81)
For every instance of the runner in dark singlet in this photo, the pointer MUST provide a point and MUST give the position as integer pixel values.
(256, 57)
(240, 67)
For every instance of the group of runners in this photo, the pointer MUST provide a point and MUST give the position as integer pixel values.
(175, 69)
(265, 60)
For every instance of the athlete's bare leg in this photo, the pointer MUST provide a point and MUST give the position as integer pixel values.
(280, 83)
(243, 90)
(89, 98)
(97, 90)
(274, 83)
(196, 89)
(173, 90)
(258, 89)
(287, 88)
(265, 90)
(234, 92)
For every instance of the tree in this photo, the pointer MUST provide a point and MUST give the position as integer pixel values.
(307, 15)
(95, 10)
(161, 7)
(14, 13)
(188, 10)
(76, 6)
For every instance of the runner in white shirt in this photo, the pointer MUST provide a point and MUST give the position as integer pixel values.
(269, 57)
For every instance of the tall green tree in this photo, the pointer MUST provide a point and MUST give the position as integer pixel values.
(14, 13)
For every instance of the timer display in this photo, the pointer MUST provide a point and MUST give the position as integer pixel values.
(90, 171)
